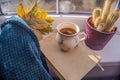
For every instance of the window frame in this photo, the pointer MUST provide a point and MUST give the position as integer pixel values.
(57, 11)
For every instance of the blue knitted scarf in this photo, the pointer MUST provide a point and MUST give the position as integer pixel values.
(20, 55)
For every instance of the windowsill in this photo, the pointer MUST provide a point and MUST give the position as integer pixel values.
(110, 53)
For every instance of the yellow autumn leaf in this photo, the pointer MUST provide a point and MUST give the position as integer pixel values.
(46, 30)
(43, 14)
(20, 10)
(35, 9)
(26, 10)
(38, 15)
(49, 19)
(36, 18)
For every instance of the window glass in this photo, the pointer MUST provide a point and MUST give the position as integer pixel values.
(79, 6)
(55, 6)
(9, 6)
(48, 5)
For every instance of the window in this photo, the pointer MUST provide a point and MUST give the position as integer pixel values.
(54, 6)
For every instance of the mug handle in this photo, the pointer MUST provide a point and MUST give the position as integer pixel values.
(82, 36)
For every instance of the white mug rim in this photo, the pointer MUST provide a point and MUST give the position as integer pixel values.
(76, 26)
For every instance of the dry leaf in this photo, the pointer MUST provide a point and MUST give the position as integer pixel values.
(35, 9)
(36, 18)
(49, 19)
(38, 34)
(20, 10)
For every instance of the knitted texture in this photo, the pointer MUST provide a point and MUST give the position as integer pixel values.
(20, 55)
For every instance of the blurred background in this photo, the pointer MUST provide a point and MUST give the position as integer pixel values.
(54, 6)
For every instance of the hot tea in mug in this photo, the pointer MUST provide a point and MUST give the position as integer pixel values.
(69, 35)
(67, 31)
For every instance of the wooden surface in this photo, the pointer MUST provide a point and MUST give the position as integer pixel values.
(72, 65)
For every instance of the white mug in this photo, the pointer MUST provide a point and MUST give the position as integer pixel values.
(67, 6)
(68, 35)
